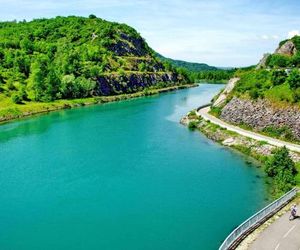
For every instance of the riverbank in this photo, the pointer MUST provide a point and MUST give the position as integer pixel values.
(11, 111)
(259, 150)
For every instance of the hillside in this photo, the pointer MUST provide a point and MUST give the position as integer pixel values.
(277, 76)
(190, 66)
(267, 98)
(75, 57)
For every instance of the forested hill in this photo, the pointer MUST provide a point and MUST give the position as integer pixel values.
(190, 66)
(74, 57)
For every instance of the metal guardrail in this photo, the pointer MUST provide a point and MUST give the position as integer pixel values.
(204, 106)
(246, 227)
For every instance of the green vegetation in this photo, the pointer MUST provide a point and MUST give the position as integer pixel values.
(193, 125)
(216, 111)
(10, 110)
(282, 170)
(279, 81)
(196, 72)
(213, 75)
(75, 57)
(275, 85)
(282, 61)
(297, 178)
(283, 133)
(189, 66)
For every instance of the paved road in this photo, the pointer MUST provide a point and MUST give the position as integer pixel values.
(204, 113)
(280, 235)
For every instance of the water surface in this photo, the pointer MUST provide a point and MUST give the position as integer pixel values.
(120, 176)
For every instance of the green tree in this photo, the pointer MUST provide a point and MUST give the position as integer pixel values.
(277, 60)
(282, 168)
(278, 77)
(294, 79)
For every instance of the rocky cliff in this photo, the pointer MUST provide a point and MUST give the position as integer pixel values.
(133, 82)
(263, 115)
(288, 48)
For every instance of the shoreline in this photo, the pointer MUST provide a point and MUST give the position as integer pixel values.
(256, 149)
(30, 109)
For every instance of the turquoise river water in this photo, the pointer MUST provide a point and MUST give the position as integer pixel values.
(122, 176)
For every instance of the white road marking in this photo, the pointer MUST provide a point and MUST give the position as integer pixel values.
(287, 233)
(277, 246)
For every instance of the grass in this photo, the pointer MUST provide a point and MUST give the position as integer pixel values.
(280, 93)
(297, 178)
(215, 111)
(10, 110)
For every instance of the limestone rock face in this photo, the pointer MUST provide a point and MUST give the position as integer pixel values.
(263, 61)
(260, 114)
(288, 49)
(117, 84)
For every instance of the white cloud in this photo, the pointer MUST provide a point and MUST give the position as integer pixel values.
(270, 37)
(293, 33)
(265, 37)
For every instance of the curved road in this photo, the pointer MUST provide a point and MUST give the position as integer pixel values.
(204, 113)
(283, 234)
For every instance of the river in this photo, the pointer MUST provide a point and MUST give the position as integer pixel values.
(122, 176)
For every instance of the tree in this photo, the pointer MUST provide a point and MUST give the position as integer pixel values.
(282, 168)
(142, 67)
(294, 79)
(278, 77)
(35, 87)
(278, 61)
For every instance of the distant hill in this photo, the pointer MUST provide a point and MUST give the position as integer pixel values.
(190, 66)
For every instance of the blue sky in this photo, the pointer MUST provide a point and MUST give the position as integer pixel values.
(218, 32)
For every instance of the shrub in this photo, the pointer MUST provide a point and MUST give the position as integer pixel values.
(216, 111)
(282, 168)
(16, 98)
(278, 77)
(254, 93)
(193, 125)
(276, 60)
(294, 79)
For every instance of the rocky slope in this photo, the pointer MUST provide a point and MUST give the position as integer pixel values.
(262, 116)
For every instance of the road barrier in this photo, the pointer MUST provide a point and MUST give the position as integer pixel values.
(238, 234)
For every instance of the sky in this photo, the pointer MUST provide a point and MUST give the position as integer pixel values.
(228, 33)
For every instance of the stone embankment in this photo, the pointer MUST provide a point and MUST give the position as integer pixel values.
(261, 114)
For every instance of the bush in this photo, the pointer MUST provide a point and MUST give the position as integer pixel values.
(279, 132)
(193, 125)
(16, 98)
(276, 60)
(282, 169)
(216, 111)
(294, 79)
(278, 77)
(254, 93)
